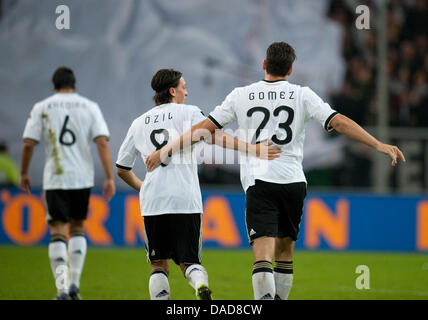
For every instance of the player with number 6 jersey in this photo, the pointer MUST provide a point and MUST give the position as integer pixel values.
(68, 123)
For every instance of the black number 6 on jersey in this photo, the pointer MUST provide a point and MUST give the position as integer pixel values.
(64, 131)
(158, 145)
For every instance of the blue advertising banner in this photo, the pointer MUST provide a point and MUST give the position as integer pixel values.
(336, 221)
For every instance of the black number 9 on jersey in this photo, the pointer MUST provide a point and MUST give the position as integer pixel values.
(64, 132)
(158, 145)
(283, 125)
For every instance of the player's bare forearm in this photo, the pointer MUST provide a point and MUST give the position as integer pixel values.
(227, 141)
(262, 150)
(130, 178)
(26, 156)
(351, 129)
(105, 156)
(109, 187)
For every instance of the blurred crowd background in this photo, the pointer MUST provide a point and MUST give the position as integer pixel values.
(116, 46)
(407, 70)
(407, 64)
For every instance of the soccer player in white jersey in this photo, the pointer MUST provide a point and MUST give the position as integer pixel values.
(274, 110)
(170, 198)
(68, 123)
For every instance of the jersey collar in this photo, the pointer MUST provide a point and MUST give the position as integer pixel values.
(273, 81)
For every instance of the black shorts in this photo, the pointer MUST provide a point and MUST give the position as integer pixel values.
(274, 210)
(174, 236)
(66, 205)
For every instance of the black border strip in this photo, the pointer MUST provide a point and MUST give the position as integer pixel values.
(273, 81)
(286, 271)
(123, 167)
(215, 122)
(329, 119)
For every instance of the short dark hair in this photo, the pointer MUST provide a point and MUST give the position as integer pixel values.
(63, 78)
(161, 82)
(279, 58)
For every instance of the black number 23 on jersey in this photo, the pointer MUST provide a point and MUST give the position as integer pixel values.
(283, 125)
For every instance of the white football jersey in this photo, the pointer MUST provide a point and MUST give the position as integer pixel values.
(68, 123)
(278, 112)
(173, 187)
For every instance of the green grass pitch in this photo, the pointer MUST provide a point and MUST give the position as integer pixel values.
(123, 273)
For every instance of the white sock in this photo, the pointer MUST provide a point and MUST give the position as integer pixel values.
(77, 248)
(283, 274)
(159, 286)
(263, 281)
(196, 275)
(58, 259)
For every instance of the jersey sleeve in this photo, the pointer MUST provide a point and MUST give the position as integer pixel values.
(99, 128)
(34, 126)
(224, 113)
(196, 115)
(317, 109)
(127, 152)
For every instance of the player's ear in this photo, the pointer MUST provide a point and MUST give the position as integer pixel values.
(264, 64)
(172, 92)
(289, 71)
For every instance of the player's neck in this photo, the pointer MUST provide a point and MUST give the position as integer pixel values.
(65, 90)
(269, 77)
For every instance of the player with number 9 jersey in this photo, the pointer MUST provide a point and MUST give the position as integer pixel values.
(170, 197)
(68, 123)
(174, 188)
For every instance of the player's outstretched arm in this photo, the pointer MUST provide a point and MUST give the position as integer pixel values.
(26, 156)
(350, 128)
(109, 188)
(130, 178)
